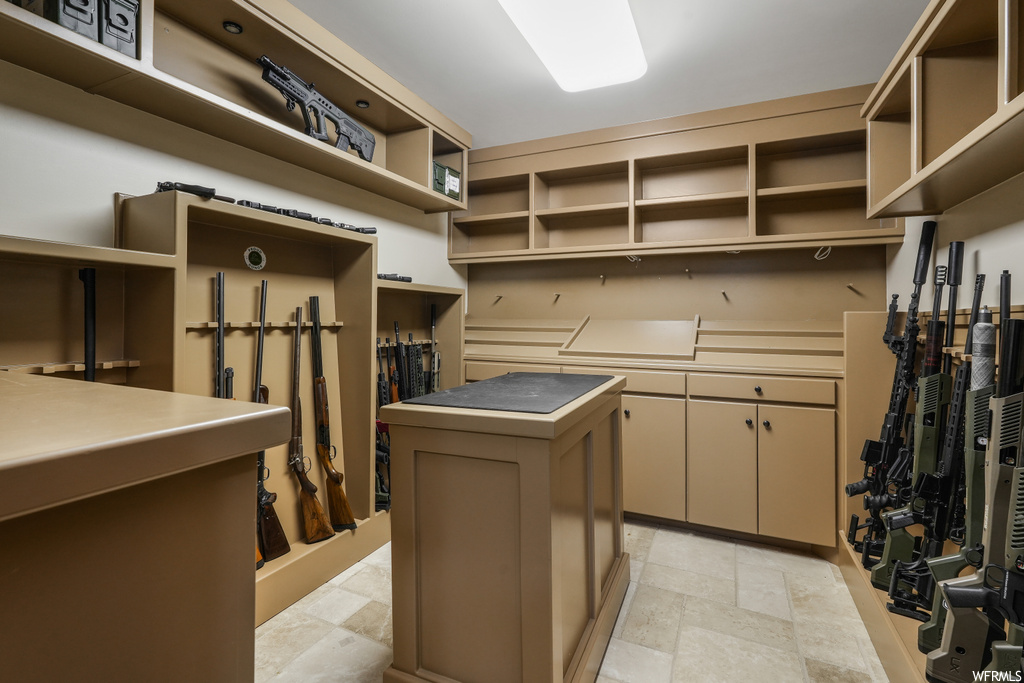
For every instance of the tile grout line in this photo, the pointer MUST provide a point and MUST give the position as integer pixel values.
(792, 620)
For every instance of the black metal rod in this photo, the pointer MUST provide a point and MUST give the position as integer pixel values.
(218, 380)
(88, 278)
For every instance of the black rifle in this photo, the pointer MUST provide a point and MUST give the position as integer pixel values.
(383, 392)
(337, 502)
(270, 535)
(88, 278)
(197, 190)
(417, 383)
(434, 383)
(879, 456)
(315, 523)
(316, 108)
(394, 277)
(220, 388)
(938, 497)
(401, 366)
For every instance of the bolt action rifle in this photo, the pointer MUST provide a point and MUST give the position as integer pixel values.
(933, 393)
(880, 455)
(315, 523)
(937, 501)
(973, 636)
(337, 502)
(317, 109)
(976, 430)
(270, 535)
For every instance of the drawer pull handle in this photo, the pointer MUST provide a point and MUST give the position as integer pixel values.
(750, 423)
(767, 424)
(757, 389)
(626, 412)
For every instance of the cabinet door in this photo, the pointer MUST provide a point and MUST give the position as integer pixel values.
(796, 473)
(721, 468)
(654, 456)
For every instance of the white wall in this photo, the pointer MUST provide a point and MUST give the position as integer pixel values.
(991, 226)
(64, 153)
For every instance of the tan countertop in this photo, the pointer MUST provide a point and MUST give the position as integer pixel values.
(63, 440)
(533, 425)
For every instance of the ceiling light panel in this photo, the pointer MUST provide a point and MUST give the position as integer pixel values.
(585, 44)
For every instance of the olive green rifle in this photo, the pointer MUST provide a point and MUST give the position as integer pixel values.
(973, 637)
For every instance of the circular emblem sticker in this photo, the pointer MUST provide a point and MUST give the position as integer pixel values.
(255, 258)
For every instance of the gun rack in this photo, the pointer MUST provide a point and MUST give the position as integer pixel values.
(154, 300)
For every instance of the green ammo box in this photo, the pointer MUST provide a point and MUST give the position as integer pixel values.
(447, 180)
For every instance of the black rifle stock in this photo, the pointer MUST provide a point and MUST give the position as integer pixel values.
(337, 502)
(879, 455)
(271, 539)
(401, 366)
(317, 109)
(314, 521)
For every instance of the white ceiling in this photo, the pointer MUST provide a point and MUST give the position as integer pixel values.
(467, 59)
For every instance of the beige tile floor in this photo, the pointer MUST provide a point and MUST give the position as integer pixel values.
(699, 608)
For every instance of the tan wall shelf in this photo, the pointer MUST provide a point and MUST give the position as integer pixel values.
(409, 304)
(944, 121)
(53, 368)
(193, 72)
(754, 183)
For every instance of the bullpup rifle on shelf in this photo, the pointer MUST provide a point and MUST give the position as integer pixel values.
(315, 523)
(317, 110)
(270, 535)
(337, 502)
(879, 455)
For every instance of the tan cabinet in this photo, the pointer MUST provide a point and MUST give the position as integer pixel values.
(762, 468)
(722, 466)
(654, 456)
(796, 473)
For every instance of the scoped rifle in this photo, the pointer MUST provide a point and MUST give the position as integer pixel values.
(933, 390)
(315, 523)
(316, 109)
(270, 535)
(937, 501)
(973, 619)
(879, 456)
(976, 431)
(337, 501)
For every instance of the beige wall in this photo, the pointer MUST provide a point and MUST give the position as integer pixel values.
(757, 285)
(991, 226)
(64, 152)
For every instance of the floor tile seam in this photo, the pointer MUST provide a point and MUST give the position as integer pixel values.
(689, 571)
(317, 642)
(796, 638)
(306, 649)
(865, 668)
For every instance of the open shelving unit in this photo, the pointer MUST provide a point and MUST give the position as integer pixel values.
(191, 71)
(710, 188)
(155, 329)
(944, 122)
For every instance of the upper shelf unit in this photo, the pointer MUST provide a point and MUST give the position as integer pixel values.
(192, 71)
(764, 194)
(944, 121)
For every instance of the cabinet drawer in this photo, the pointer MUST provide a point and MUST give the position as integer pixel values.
(477, 371)
(760, 388)
(638, 381)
